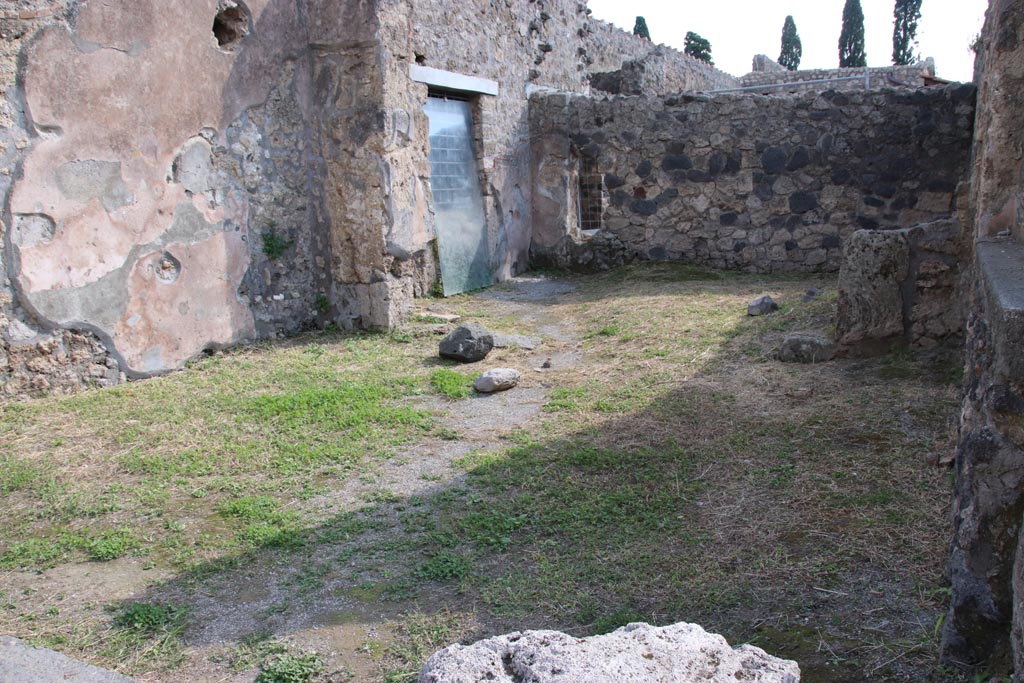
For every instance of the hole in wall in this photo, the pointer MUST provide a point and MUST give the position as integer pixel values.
(231, 24)
(167, 268)
(421, 59)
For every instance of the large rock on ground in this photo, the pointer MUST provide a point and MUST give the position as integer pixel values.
(762, 305)
(637, 653)
(467, 343)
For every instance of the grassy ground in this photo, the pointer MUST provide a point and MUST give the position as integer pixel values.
(329, 508)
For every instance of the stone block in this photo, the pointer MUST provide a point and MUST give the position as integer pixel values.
(870, 308)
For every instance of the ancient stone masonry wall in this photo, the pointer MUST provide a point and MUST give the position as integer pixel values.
(984, 629)
(624, 64)
(758, 183)
(901, 287)
(519, 44)
(766, 73)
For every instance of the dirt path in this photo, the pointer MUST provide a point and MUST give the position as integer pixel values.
(349, 626)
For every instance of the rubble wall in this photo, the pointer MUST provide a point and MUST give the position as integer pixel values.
(901, 287)
(624, 64)
(766, 184)
(984, 629)
(769, 72)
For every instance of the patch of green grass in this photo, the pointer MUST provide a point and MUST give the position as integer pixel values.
(446, 565)
(420, 636)
(151, 618)
(17, 474)
(148, 636)
(491, 528)
(291, 667)
(565, 398)
(41, 553)
(453, 384)
(250, 508)
(111, 545)
(606, 331)
(616, 620)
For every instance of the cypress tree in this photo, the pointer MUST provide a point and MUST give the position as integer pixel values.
(698, 47)
(640, 28)
(851, 40)
(904, 32)
(792, 48)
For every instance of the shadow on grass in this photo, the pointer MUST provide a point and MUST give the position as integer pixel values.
(792, 510)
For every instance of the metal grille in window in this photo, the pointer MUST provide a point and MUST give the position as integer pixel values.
(591, 196)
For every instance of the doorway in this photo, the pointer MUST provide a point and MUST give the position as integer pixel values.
(462, 244)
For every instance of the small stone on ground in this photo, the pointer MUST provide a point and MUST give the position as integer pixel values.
(497, 379)
(762, 305)
(806, 348)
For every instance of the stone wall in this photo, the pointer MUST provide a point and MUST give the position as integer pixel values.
(769, 72)
(205, 177)
(984, 629)
(901, 287)
(522, 45)
(663, 71)
(757, 183)
(623, 64)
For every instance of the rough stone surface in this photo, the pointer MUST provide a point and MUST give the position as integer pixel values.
(984, 566)
(662, 71)
(870, 293)
(806, 348)
(637, 653)
(983, 629)
(467, 343)
(767, 71)
(22, 663)
(765, 184)
(496, 379)
(762, 305)
(900, 285)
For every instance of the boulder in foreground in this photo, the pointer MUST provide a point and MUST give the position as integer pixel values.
(637, 653)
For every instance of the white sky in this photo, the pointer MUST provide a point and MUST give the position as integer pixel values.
(739, 29)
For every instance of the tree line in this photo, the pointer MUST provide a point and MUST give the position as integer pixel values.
(906, 13)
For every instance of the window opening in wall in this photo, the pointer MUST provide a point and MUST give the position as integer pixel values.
(591, 197)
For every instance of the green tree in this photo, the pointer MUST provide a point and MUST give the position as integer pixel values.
(697, 47)
(904, 32)
(640, 28)
(792, 48)
(851, 40)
